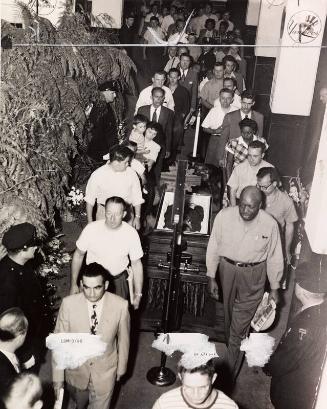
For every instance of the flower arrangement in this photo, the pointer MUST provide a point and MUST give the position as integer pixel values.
(54, 258)
(75, 204)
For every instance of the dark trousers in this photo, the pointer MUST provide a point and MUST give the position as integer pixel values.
(243, 288)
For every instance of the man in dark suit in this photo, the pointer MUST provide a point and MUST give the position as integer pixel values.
(189, 79)
(21, 288)
(13, 330)
(230, 125)
(156, 112)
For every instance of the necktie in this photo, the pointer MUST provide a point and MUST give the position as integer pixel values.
(246, 116)
(94, 320)
(172, 62)
(183, 76)
(154, 116)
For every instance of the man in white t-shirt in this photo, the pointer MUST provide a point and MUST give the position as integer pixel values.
(114, 244)
(145, 97)
(245, 174)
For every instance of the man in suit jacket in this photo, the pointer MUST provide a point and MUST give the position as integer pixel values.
(13, 330)
(156, 112)
(230, 125)
(189, 79)
(98, 312)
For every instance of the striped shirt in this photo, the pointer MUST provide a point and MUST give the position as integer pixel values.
(173, 399)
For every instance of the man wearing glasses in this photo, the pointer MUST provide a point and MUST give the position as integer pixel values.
(279, 205)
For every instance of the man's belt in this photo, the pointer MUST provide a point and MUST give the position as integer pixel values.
(240, 264)
(120, 275)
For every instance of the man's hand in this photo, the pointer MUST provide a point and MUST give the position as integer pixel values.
(221, 163)
(288, 258)
(274, 294)
(74, 289)
(213, 288)
(57, 386)
(118, 377)
(167, 155)
(136, 223)
(136, 302)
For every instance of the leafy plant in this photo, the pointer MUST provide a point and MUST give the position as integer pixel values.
(47, 81)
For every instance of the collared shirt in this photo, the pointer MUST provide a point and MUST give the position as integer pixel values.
(247, 242)
(236, 102)
(239, 148)
(210, 91)
(216, 116)
(105, 182)
(112, 248)
(245, 175)
(146, 99)
(243, 115)
(281, 207)
(99, 306)
(153, 109)
(166, 22)
(171, 63)
(12, 358)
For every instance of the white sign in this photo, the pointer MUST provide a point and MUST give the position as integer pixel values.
(298, 57)
(49, 9)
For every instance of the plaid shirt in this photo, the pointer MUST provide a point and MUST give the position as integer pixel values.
(239, 148)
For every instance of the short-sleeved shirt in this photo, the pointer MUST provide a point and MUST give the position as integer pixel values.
(154, 149)
(210, 90)
(252, 241)
(239, 148)
(173, 399)
(282, 208)
(105, 182)
(245, 175)
(112, 248)
(215, 117)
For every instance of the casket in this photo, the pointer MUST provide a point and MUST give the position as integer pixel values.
(198, 312)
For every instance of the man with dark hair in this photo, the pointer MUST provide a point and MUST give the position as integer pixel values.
(103, 122)
(13, 331)
(245, 245)
(231, 129)
(296, 365)
(245, 173)
(189, 79)
(95, 311)
(156, 112)
(127, 33)
(115, 178)
(279, 205)
(21, 288)
(231, 71)
(113, 244)
(182, 109)
(196, 391)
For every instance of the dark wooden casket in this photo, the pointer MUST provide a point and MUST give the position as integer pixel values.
(199, 312)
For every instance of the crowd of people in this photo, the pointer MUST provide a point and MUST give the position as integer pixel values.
(249, 248)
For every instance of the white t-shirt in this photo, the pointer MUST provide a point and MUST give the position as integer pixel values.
(215, 116)
(154, 149)
(104, 183)
(245, 175)
(145, 98)
(112, 248)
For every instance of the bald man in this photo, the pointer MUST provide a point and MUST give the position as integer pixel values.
(245, 244)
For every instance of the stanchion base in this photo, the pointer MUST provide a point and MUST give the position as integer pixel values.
(161, 376)
(194, 159)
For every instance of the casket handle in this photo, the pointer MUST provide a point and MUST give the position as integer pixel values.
(184, 267)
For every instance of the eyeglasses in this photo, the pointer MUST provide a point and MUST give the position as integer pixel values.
(264, 187)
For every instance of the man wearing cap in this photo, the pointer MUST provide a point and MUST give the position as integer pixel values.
(20, 287)
(103, 122)
(296, 365)
(245, 244)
